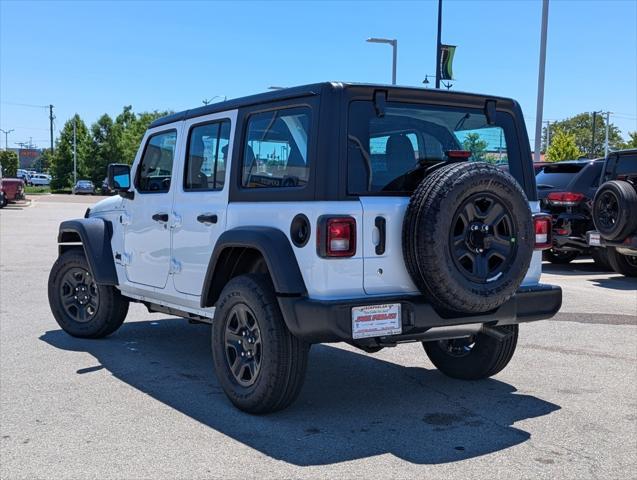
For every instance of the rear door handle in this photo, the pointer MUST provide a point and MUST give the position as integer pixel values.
(207, 218)
(381, 225)
(160, 217)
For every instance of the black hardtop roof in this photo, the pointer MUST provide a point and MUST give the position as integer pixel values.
(305, 90)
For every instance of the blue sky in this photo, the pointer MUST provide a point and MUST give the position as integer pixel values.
(92, 58)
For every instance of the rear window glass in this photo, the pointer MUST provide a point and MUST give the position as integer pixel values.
(557, 176)
(392, 152)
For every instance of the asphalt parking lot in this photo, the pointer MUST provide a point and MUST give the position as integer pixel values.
(145, 403)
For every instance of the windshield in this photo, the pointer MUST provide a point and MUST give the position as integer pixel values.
(392, 152)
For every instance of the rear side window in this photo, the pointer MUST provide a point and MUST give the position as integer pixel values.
(156, 168)
(275, 152)
(207, 156)
(558, 175)
(626, 165)
(392, 152)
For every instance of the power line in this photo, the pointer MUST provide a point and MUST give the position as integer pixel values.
(25, 105)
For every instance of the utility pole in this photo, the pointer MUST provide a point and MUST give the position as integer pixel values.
(74, 151)
(540, 82)
(6, 137)
(606, 141)
(51, 117)
(593, 136)
(548, 133)
(438, 44)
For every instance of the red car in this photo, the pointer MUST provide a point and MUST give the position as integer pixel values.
(11, 189)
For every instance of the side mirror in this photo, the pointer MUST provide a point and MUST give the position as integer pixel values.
(119, 179)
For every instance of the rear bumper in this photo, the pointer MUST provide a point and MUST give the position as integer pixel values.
(594, 239)
(317, 321)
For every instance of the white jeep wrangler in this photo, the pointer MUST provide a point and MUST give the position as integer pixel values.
(367, 214)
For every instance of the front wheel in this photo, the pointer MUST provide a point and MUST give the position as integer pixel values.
(80, 306)
(479, 356)
(259, 363)
(624, 264)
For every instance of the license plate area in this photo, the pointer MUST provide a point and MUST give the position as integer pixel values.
(594, 239)
(376, 320)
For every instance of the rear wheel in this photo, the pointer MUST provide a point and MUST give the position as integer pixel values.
(559, 257)
(80, 306)
(624, 264)
(600, 257)
(473, 358)
(259, 363)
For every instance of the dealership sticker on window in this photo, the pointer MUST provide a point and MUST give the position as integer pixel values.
(376, 321)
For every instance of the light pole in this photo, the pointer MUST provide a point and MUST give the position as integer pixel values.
(606, 141)
(540, 82)
(439, 45)
(207, 102)
(394, 43)
(6, 137)
(74, 151)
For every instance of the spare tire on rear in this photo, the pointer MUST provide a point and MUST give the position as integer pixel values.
(615, 210)
(468, 237)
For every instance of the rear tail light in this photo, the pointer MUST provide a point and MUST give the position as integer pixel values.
(542, 224)
(458, 153)
(564, 199)
(336, 237)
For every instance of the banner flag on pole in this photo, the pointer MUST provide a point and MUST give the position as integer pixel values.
(446, 61)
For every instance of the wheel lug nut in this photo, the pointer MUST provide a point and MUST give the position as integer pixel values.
(242, 354)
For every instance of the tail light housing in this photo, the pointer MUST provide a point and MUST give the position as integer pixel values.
(336, 237)
(542, 224)
(564, 199)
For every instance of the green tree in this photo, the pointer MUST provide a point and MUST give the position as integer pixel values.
(632, 141)
(563, 147)
(581, 127)
(43, 163)
(476, 146)
(62, 167)
(10, 163)
(103, 148)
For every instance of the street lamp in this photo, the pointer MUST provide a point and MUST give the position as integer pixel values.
(394, 43)
(6, 137)
(206, 101)
(274, 87)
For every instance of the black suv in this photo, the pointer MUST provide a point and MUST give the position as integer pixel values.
(615, 212)
(566, 191)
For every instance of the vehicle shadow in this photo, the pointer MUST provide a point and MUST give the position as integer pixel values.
(617, 282)
(352, 405)
(574, 268)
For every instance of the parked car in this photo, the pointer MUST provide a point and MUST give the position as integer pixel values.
(615, 212)
(566, 190)
(105, 189)
(83, 187)
(23, 175)
(40, 179)
(284, 225)
(12, 190)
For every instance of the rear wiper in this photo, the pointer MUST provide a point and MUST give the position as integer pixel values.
(544, 186)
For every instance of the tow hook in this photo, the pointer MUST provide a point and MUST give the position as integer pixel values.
(499, 335)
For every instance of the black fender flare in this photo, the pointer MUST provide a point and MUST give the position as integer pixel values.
(276, 250)
(95, 236)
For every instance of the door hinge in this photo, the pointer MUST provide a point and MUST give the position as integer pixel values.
(124, 219)
(122, 258)
(175, 266)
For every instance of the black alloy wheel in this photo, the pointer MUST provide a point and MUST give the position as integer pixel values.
(243, 345)
(79, 295)
(483, 238)
(607, 210)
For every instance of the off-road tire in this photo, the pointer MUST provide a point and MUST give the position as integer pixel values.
(623, 210)
(427, 245)
(111, 309)
(624, 264)
(283, 359)
(600, 257)
(484, 359)
(559, 257)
